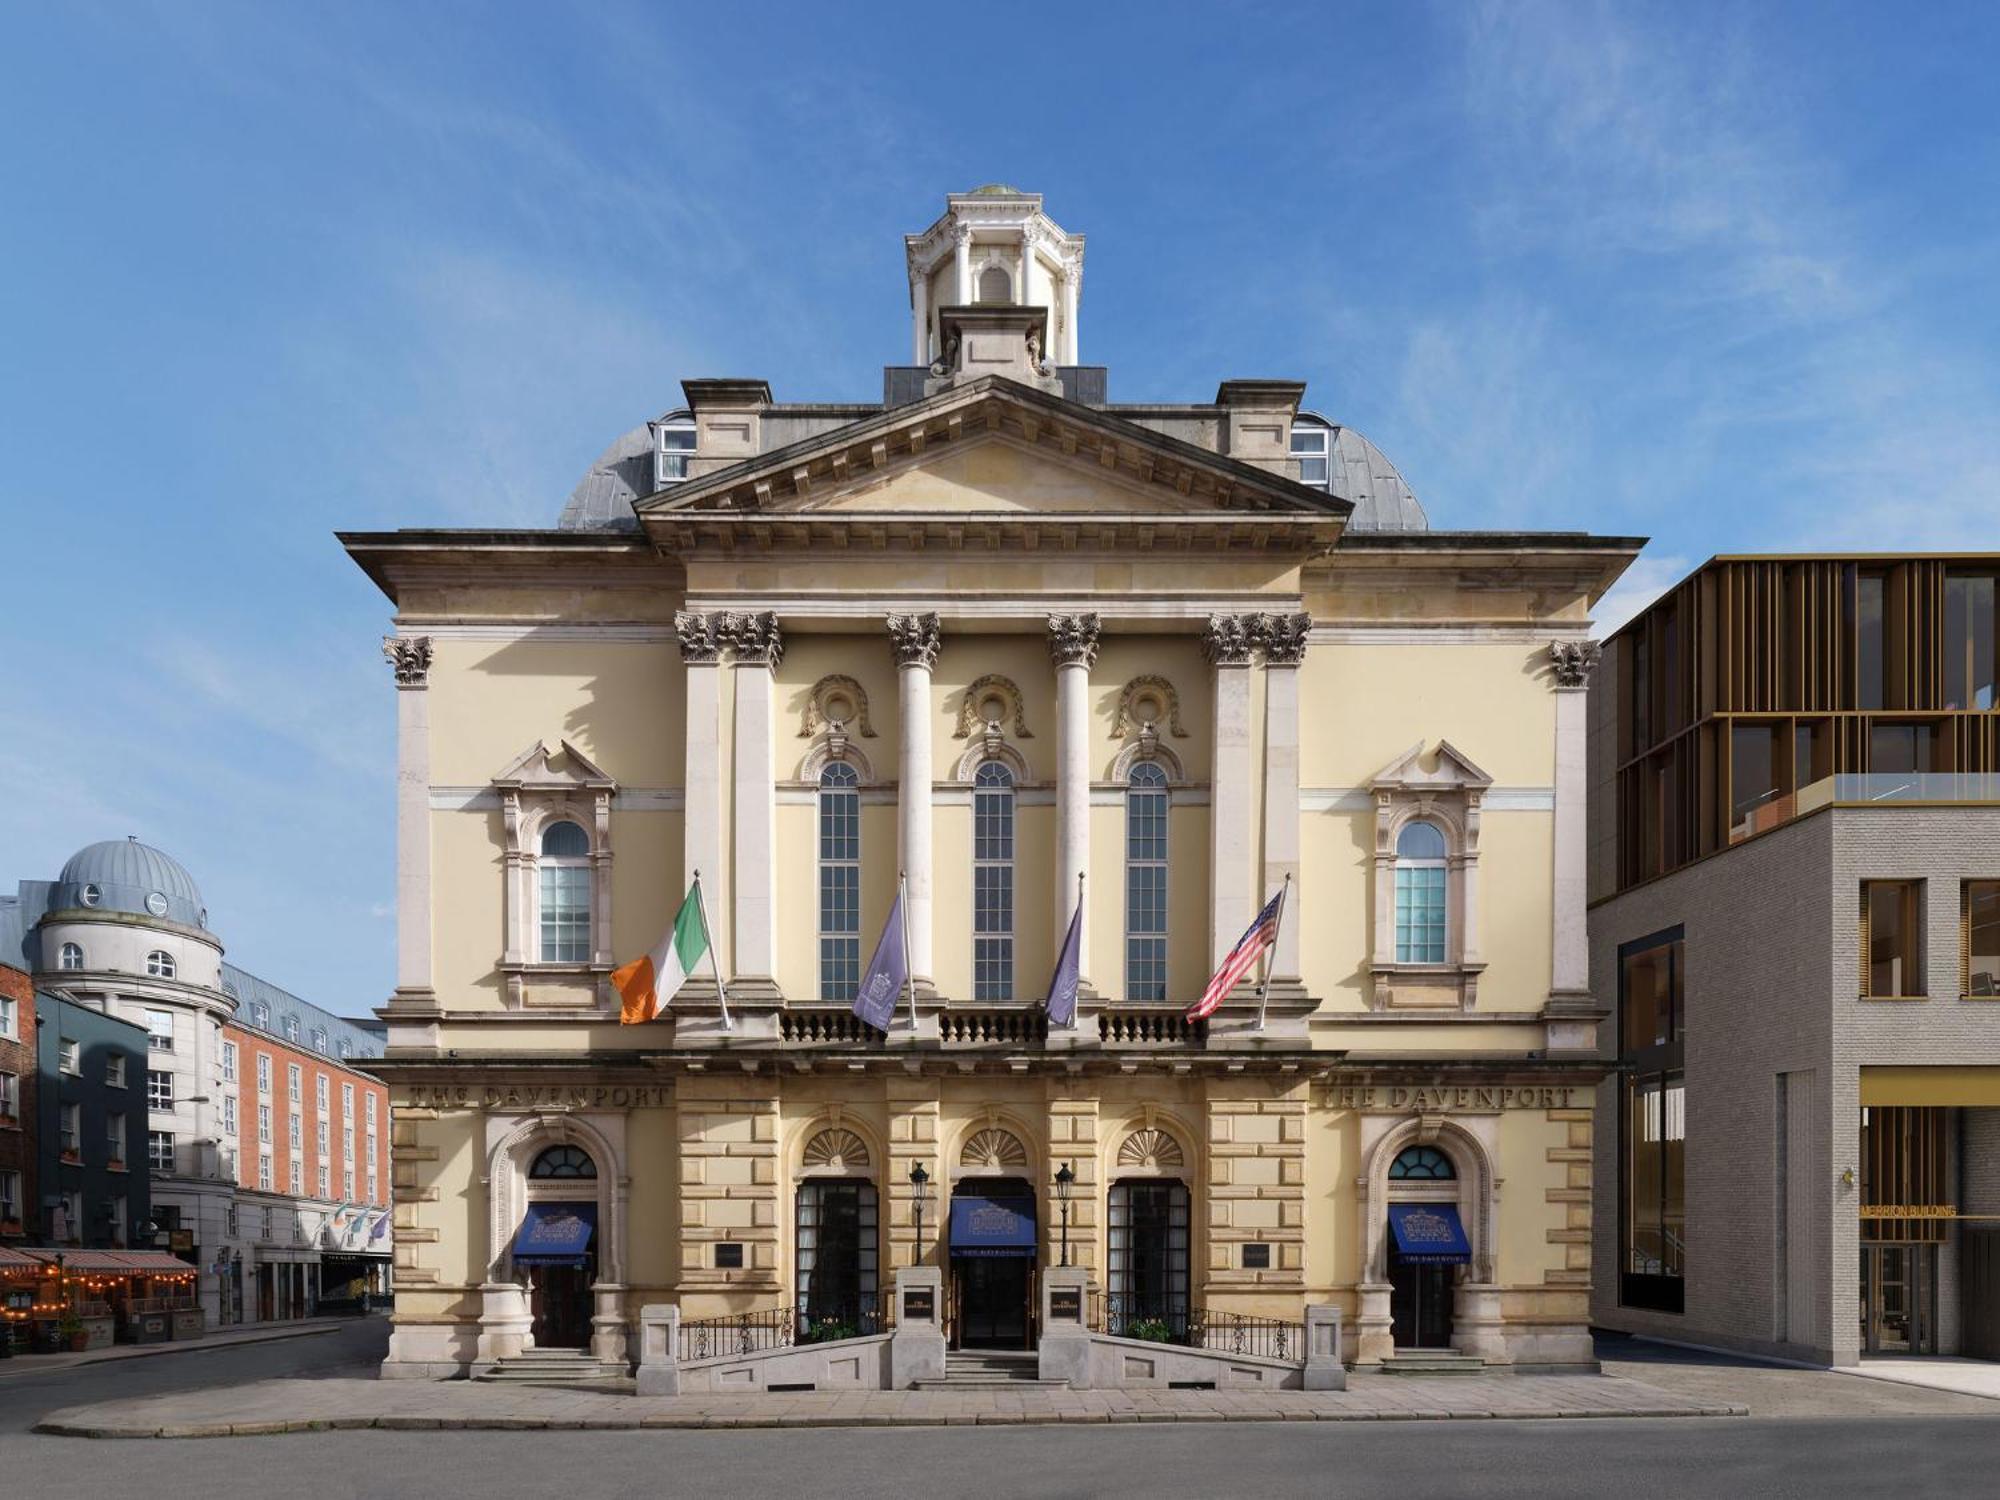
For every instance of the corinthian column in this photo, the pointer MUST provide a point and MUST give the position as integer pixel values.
(1284, 649)
(1228, 643)
(702, 640)
(916, 640)
(962, 263)
(756, 647)
(1073, 648)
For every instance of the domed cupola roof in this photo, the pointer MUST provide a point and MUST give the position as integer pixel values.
(126, 875)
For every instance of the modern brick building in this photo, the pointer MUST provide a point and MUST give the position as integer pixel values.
(1795, 882)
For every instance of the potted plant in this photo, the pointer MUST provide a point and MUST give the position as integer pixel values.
(1152, 1330)
(69, 1330)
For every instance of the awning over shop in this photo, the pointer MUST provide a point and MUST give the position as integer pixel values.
(555, 1234)
(992, 1226)
(14, 1260)
(117, 1262)
(1429, 1234)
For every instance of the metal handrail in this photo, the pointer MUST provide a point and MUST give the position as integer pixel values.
(785, 1327)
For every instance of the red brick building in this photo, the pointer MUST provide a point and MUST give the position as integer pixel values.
(17, 1104)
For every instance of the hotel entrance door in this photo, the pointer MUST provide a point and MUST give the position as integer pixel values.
(1899, 1299)
(1420, 1305)
(992, 1302)
(559, 1297)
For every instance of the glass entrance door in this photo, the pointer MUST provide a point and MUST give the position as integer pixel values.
(559, 1299)
(1899, 1299)
(1419, 1303)
(992, 1301)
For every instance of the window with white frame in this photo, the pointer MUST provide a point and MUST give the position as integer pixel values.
(374, 1184)
(292, 1029)
(1311, 445)
(10, 1096)
(839, 881)
(294, 1173)
(347, 1100)
(114, 1070)
(229, 1114)
(319, 1090)
(229, 1062)
(70, 1118)
(674, 446)
(1420, 894)
(72, 1207)
(10, 1017)
(70, 957)
(347, 1142)
(294, 1080)
(159, 1030)
(267, 1220)
(264, 1184)
(263, 1124)
(993, 882)
(319, 1137)
(160, 964)
(160, 1150)
(114, 1138)
(343, 1048)
(368, 1103)
(563, 871)
(263, 1072)
(295, 1132)
(67, 1057)
(10, 1196)
(322, 1179)
(319, 1039)
(1146, 883)
(260, 1015)
(347, 1178)
(119, 1218)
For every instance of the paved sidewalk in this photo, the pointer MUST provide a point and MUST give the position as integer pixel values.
(260, 1333)
(305, 1406)
(1969, 1377)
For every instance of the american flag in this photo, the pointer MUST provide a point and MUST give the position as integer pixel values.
(1242, 958)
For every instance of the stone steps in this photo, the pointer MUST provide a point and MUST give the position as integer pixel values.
(554, 1367)
(990, 1370)
(1432, 1362)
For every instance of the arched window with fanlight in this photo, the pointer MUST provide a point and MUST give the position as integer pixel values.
(71, 956)
(160, 964)
(561, 1164)
(1146, 883)
(1420, 894)
(563, 868)
(993, 882)
(839, 881)
(1422, 1164)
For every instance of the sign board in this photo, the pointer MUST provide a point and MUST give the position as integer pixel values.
(1065, 1304)
(180, 1239)
(920, 1305)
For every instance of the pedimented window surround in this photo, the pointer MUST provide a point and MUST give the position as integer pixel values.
(1448, 794)
(542, 787)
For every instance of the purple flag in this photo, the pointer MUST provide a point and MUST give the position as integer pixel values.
(887, 972)
(1063, 983)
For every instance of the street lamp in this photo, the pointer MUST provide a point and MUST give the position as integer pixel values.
(1065, 1179)
(920, 1191)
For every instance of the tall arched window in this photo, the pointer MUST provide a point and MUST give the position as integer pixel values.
(1420, 905)
(1146, 883)
(160, 964)
(71, 956)
(839, 881)
(564, 868)
(993, 882)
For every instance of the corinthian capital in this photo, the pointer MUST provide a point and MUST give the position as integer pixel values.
(1073, 640)
(700, 635)
(410, 656)
(754, 638)
(1284, 638)
(916, 640)
(1573, 661)
(1229, 639)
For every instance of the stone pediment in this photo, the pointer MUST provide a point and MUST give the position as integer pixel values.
(1452, 771)
(992, 447)
(565, 769)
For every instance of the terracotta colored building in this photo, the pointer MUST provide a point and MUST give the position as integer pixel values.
(17, 1103)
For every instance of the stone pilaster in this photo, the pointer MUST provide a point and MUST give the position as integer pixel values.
(913, 1138)
(1228, 643)
(412, 1010)
(756, 647)
(1073, 641)
(916, 640)
(729, 1191)
(1256, 1195)
(1285, 639)
(1073, 1131)
(702, 641)
(1573, 1013)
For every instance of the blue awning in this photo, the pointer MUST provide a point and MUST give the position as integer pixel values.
(555, 1234)
(1429, 1234)
(992, 1226)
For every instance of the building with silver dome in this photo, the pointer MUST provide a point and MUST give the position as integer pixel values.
(266, 1145)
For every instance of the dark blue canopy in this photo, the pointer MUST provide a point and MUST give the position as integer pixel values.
(555, 1234)
(1429, 1233)
(992, 1226)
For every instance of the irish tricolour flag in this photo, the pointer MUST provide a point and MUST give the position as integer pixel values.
(648, 984)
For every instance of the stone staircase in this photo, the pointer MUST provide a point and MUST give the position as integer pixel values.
(1433, 1362)
(990, 1370)
(557, 1367)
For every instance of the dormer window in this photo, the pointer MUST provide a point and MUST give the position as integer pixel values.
(1310, 452)
(260, 1015)
(675, 438)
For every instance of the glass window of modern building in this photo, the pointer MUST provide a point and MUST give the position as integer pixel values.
(1653, 1123)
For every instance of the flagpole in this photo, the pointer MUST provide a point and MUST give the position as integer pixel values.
(909, 972)
(1075, 916)
(714, 963)
(1271, 954)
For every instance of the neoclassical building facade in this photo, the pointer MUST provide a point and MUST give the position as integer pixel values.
(1002, 644)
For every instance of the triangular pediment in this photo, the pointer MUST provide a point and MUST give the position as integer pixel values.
(1450, 770)
(565, 769)
(993, 447)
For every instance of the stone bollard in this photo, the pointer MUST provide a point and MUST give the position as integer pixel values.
(1324, 1370)
(659, 1349)
(1065, 1343)
(916, 1349)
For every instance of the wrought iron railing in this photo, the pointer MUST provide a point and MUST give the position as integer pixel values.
(1124, 1315)
(1170, 1321)
(785, 1327)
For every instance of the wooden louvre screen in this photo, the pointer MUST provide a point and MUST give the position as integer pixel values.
(1905, 1164)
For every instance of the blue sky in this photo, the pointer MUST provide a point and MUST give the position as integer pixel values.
(1720, 275)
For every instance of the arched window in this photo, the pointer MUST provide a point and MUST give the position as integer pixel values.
(837, 1261)
(291, 1028)
(160, 964)
(563, 1162)
(319, 1039)
(343, 1047)
(71, 957)
(564, 868)
(839, 881)
(993, 882)
(1422, 1164)
(1146, 883)
(1146, 1259)
(1420, 914)
(995, 285)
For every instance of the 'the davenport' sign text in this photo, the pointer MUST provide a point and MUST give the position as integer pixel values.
(1419, 1099)
(537, 1096)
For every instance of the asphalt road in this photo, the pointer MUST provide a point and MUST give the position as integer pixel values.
(1632, 1460)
